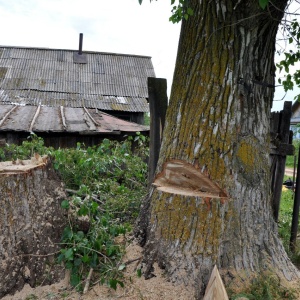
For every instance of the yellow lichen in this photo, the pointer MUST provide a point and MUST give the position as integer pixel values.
(247, 154)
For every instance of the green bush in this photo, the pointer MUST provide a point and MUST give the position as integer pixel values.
(33, 144)
(109, 171)
(106, 183)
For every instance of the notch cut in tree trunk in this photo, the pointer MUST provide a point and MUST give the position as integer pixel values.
(31, 223)
(218, 118)
(182, 178)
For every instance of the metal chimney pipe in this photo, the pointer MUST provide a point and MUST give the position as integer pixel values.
(80, 43)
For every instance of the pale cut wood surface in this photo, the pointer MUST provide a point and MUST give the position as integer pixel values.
(215, 289)
(21, 166)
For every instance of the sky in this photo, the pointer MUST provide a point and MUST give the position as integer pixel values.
(117, 26)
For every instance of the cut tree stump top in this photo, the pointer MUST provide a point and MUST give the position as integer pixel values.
(22, 166)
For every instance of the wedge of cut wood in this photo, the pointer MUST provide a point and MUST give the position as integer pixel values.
(215, 289)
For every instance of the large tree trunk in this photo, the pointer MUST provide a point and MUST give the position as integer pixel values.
(210, 203)
(31, 224)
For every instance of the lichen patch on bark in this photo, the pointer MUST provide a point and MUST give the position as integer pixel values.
(252, 161)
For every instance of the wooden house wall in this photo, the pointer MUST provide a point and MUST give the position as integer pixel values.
(62, 140)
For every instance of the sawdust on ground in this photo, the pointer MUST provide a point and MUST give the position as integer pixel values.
(135, 288)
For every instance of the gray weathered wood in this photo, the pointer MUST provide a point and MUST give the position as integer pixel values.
(158, 103)
(280, 133)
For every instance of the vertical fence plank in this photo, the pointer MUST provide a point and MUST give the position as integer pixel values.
(281, 138)
(158, 103)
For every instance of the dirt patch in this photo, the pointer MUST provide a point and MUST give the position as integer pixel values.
(136, 288)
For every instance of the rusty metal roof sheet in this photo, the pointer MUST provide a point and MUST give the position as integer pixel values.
(51, 77)
(82, 120)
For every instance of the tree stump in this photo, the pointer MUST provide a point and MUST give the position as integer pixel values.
(31, 224)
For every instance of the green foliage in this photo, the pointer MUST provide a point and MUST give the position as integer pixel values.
(263, 3)
(179, 11)
(95, 248)
(290, 158)
(33, 144)
(110, 171)
(285, 217)
(107, 183)
(292, 57)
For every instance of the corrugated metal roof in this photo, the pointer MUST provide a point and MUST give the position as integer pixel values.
(62, 119)
(49, 76)
(33, 97)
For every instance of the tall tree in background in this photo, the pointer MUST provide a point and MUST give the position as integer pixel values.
(210, 203)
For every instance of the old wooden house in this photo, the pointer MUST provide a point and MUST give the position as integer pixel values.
(69, 96)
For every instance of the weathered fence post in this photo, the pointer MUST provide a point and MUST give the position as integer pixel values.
(281, 146)
(31, 224)
(158, 103)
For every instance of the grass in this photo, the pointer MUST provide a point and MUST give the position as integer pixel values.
(290, 158)
(284, 225)
(286, 211)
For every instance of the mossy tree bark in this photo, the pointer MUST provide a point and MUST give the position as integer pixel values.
(210, 203)
(31, 224)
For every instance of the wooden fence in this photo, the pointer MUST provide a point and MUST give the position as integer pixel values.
(281, 146)
(158, 103)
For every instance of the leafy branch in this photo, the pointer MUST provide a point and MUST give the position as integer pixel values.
(292, 57)
(180, 10)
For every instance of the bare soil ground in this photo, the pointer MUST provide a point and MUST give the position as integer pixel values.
(136, 288)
